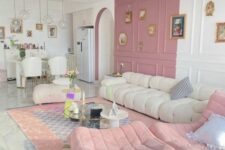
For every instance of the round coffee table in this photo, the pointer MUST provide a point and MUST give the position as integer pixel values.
(115, 119)
(103, 121)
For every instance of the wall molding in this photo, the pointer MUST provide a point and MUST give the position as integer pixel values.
(199, 57)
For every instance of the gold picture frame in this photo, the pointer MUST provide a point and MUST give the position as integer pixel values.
(18, 29)
(220, 32)
(210, 8)
(177, 26)
(122, 39)
(151, 29)
(39, 26)
(142, 14)
(2, 32)
(52, 31)
(128, 17)
(29, 33)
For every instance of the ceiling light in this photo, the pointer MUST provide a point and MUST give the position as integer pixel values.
(24, 13)
(15, 23)
(47, 19)
(62, 22)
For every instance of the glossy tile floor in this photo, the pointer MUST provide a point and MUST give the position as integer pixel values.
(11, 137)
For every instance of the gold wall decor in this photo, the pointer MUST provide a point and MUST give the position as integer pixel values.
(2, 32)
(210, 8)
(151, 29)
(128, 17)
(52, 31)
(39, 26)
(29, 33)
(123, 39)
(220, 33)
(17, 29)
(142, 14)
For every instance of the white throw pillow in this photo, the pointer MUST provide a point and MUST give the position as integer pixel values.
(212, 133)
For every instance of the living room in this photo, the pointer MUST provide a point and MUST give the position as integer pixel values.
(112, 74)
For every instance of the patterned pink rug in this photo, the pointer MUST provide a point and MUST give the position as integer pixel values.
(46, 127)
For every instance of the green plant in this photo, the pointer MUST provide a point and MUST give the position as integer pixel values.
(22, 53)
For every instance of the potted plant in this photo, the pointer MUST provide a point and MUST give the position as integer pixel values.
(22, 53)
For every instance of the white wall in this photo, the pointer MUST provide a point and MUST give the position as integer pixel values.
(54, 46)
(106, 44)
(86, 14)
(199, 57)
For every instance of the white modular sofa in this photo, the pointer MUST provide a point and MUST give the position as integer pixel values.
(150, 95)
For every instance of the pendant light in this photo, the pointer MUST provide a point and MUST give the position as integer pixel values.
(24, 13)
(62, 22)
(47, 19)
(40, 13)
(15, 21)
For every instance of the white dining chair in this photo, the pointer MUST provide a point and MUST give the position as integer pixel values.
(58, 66)
(32, 68)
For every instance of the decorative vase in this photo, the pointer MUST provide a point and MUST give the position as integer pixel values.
(22, 53)
(72, 83)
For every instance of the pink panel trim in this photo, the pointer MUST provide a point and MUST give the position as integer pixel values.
(157, 55)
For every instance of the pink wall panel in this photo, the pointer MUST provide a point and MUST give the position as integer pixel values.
(144, 53)
(147, 68)
(124, 6)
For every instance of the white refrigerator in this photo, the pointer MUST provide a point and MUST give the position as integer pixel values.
(85, 53)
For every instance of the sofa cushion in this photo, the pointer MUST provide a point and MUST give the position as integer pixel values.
(113, 81)
(173, 111)
(211, 133)
(110, 90)
(146, 101)
(137, 79)
(144, 80)
(216, 104)
(162, 83)
(126, 75)
(129, 137)
(181, 90)
(175, 135)
(120, 93)
(202, 93)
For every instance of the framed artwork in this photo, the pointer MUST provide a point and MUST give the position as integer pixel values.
(123, 39)
(29, 33)
(220, 33)
(210, 8)
(2, 32)
(151, 29)
(52, 31)
(128, 17)
(18, 29)
(142, 14)
(39, 26)
(177, 27)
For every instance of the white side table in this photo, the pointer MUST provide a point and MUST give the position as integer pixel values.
(114, 120)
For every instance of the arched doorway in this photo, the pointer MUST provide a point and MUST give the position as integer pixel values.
(104, 46)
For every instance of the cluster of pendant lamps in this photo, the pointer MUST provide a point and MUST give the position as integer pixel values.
(25, 13)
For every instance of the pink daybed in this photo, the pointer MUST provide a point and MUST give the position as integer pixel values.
(160, 136)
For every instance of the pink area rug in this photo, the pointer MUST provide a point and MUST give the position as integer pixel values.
(46, 127)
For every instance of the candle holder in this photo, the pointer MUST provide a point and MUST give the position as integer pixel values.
(82, 115)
